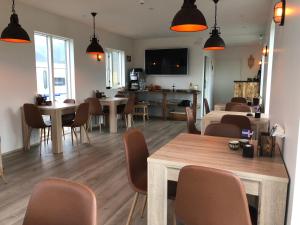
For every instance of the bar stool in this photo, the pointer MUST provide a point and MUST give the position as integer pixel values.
(141, 109)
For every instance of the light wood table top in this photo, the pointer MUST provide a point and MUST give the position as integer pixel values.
(189, 149)
(58, 106)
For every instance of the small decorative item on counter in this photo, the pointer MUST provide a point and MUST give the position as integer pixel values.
(266, 144)
(234, 145)
(49, 103)
(99, 94)
(248, 151)
(40, 100)
(243, 142)
(246, 133)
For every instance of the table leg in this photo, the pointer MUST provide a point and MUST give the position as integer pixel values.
(56, 132)
(157, 194)
(113, 124)
(272, 203)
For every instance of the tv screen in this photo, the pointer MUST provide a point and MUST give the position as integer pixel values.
(166, 62)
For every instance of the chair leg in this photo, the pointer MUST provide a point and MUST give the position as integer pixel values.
(28, 138)
(144, 206)
(76, 136)
(126, 120)
(41, 139)
(63, 133)
(136, 196)
(72, 136)
(48, 134)
(174, 215)
(87, 135)
(99, 120)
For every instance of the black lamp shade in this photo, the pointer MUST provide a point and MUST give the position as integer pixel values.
(189, 18)
(94, 48)
(14, 32)
(215, 42)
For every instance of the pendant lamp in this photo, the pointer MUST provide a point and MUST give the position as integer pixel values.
(95, 48)
(279, 12)
(215, 42)
(189, 18)
(14, 32)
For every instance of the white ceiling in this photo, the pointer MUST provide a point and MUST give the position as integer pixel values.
(241, 21)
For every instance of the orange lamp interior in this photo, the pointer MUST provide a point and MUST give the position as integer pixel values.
(278, 12)
(214, 48)
(189, 28)
(12, 40)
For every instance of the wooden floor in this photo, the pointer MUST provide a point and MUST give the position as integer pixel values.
(100, 165)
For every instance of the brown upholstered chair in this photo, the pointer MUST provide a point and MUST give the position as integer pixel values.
(210, 196)
(68, 117)
(96, 111)
(81, 119)
(34, 120)
(239, 100)
(237, 107)
(136, 152)
(242, 122)
(58, 201)
(223, 130)
(129, 109)
(206, 105)
(191, 121)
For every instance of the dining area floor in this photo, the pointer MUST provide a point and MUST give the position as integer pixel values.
(101, 166)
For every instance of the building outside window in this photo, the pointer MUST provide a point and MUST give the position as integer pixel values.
(115, 68)
(54, 66)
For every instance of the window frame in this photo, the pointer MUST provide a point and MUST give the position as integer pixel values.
(69, 56)
(109, 68)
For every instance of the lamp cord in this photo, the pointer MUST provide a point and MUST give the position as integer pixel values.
(94, 26)
(216, 14)
(13, 6)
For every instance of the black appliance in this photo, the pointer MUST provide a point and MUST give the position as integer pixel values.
(136, 79)
(166, 62)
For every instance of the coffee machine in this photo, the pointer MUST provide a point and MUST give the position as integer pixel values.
(137, 80)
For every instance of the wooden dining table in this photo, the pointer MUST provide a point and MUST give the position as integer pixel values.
(258, 125)
(56, 110)
(112, 103)
(266, 178)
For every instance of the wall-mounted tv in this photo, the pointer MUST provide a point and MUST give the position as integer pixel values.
(166, 62)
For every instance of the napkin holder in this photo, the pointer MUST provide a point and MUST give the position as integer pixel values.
(266, 145)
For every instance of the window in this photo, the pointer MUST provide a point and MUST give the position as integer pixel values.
(115, 68)
(54, 70)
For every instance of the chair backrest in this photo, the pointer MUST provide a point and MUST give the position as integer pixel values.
(59, 202)
(33, 116)
(237, 107)
(242, 122)
(206, 105)
(239, 100)
(95, 106)
(210, 196)
(223, 130)
(69, 100)
(191, 121)
(130, 104)
(136, 152)
(120, 95)
(82, 114)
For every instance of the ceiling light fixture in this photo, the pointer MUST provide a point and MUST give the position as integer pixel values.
(215, 42)
(14, 32)
(95, 48)
(279, 12)
(189, 18)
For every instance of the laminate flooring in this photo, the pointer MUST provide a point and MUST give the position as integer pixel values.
(101, 166)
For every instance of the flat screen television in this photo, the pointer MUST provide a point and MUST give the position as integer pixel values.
(166, 62)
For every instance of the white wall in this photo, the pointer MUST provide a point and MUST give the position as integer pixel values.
(230, 65)
(17, 65)
(196, 60)
(285, 92)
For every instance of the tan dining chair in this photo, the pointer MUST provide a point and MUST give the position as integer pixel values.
(61, 202)
(242, 122)
(34, 120)
(95, 111)
(191, 122)
(206, 106)
(239, 100)
(223, 130)
(80, 121)
(136, 152)
(210, 196)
